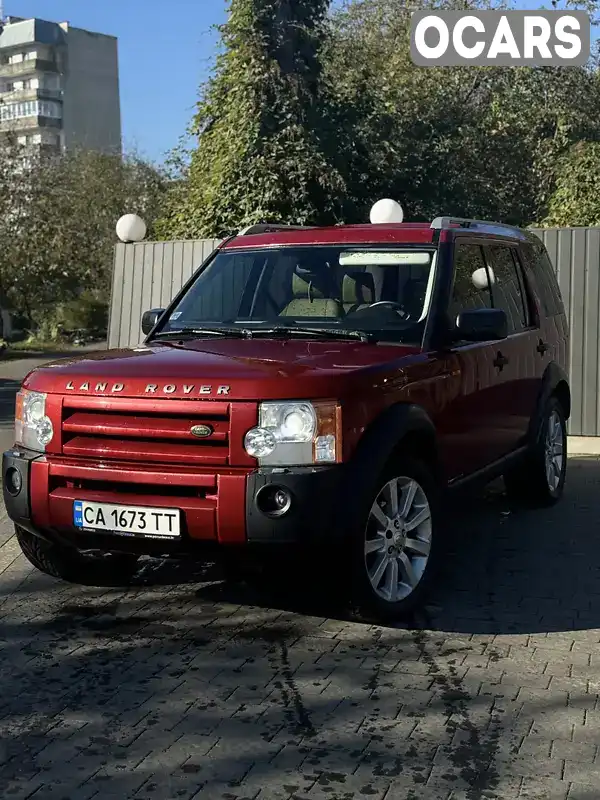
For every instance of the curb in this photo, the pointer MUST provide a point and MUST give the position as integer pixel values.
(583, 445)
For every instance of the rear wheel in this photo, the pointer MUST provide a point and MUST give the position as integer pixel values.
(69, 564)
(396, 547)
(539, 480)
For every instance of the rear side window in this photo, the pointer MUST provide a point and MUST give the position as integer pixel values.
(538, 262)
(507, 289)
(469, 275)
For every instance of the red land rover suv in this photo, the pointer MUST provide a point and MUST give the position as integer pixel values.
(322, 387)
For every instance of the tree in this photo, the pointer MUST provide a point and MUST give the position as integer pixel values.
(576, 197)
(266, 142)
(57, 221)
(468, 141)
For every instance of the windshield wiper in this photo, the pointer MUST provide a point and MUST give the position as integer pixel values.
(320, 333)
(238, 333)
(280, 330)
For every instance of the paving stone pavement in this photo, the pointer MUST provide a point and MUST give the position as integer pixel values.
(183, 687)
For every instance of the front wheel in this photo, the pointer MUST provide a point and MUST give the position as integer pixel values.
(395, 549)
(69, 564)
(540, 479)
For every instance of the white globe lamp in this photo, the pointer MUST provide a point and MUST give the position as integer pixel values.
(386, 211)
(481, 280)
(131, 228)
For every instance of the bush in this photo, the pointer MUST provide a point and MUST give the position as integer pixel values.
(87, 313)
(84, 317)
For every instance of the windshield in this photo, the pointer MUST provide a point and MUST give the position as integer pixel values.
(382, 291)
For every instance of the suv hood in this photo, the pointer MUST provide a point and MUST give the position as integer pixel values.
(242, 369)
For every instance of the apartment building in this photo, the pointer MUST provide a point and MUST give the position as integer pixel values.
(59, 85)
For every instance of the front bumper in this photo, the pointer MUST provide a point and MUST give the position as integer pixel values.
(218, 507)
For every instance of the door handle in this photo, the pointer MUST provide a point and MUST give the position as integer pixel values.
(542, 347)
(500, 361)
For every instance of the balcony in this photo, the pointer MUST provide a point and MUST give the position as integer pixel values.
(27, 67)
(29, 123)
(19, 95)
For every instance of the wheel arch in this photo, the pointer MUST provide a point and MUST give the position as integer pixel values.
(554, 383)
(402, 429)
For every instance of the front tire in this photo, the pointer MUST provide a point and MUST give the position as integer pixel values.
(395, 549)
(69, 564)
(540, 479)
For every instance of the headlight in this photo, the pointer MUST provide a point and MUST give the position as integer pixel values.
(33, 429)
(294, 433)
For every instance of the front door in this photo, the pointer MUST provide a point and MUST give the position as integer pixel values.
(467, 430)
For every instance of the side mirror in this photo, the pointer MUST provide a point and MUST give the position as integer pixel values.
(482, 325)
(150, 318)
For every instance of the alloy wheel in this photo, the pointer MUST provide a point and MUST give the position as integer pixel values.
(554, 450)
(398, 539)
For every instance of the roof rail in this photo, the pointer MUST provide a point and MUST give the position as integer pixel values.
(485, 226)
(265, 227)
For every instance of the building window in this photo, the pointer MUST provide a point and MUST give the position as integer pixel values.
(32, 108)
(49, 109)
(15, 58)
(51, 82)
(31, 55)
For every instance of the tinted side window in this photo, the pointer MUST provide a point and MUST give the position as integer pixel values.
(507, 292)
(468, 258)
(537, 260)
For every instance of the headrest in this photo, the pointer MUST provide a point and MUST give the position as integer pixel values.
(301, 286)
(416, 288)
(358, 287)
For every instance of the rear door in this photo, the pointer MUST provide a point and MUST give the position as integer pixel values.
(515, 367)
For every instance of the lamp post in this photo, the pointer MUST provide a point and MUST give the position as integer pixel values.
(131, 228)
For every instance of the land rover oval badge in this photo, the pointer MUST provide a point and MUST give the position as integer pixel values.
(201, 431)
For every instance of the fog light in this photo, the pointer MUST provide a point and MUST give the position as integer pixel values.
(13, 481)
(281, 498)
(273, 501)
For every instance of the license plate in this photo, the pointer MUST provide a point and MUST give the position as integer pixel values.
(157, 523)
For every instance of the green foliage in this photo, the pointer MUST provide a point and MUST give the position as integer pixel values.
(471, 141)
(310, 118)
(57, 226)
(576, 197)
(87, 312)
(264, 125)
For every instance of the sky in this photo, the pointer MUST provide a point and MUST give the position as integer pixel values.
(165, 51)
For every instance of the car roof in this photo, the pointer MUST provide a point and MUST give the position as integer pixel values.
(399, 233)
(418, 233)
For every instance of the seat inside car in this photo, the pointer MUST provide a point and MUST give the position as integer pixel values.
(413, 296)
(358, 291)
(309, 292)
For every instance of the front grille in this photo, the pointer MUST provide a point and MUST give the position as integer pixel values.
(145, 431)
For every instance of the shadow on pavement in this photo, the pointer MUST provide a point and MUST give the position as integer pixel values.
(184, 686)
(507, 572)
